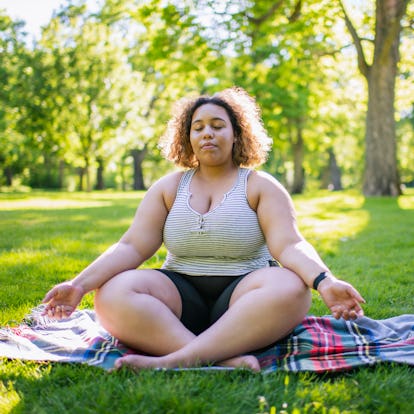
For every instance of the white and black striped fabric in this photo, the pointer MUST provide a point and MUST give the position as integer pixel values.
(226, 241)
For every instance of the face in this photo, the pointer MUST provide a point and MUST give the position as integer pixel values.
(211, 135)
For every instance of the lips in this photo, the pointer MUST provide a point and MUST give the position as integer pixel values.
(208, 146)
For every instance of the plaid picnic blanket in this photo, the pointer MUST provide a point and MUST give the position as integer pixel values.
(318, 344)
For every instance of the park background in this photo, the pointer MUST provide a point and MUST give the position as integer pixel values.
(84, 103)
(81, 108)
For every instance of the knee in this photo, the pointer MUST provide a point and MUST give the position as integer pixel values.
(290, 291)
(102, 296)
(281, 283)
(103, 299)
(112, 293)
(298, 295)
(295, 286)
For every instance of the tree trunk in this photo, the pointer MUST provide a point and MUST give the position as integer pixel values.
(298, 148)
(138, 156)
(122, 172)
(8, 173)
(87, 172)
(81, 175)
(335, 183)
(61, 174)
(381, 176)
(100, 185)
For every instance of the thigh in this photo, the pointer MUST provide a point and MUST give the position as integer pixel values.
(116, 291)
(222, 303)
(285, 284)
(195, 311)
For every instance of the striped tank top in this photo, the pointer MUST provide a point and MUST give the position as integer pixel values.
(225, 241)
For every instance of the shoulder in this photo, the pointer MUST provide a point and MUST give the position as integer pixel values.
(264, 179)
(166, 187)
(262, 185)
(171, 179)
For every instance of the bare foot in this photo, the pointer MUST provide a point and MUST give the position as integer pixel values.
(243, 361)
(138, 362)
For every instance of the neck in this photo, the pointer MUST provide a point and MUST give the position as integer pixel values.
(206, 171)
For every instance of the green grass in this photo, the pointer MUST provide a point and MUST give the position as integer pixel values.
(46, 238)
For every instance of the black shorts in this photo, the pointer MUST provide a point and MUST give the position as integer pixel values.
(204, 298)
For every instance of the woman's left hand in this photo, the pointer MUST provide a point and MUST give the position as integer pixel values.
(341, 298)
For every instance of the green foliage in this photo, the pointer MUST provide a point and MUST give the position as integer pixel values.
(13, 152)
(287, 56)
(368, 242)
(98, 85)
(406, 147)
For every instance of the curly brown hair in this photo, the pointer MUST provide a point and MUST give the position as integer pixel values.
(252, 142)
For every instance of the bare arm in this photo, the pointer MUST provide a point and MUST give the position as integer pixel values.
(140, 241)
(277, 218)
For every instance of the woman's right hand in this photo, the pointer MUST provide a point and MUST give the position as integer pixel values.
(62, 300)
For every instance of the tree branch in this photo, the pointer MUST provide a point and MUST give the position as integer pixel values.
(296, 12)
(393, 30)
(259, 20)
(331, 52)
(362, 62)
(409, 25)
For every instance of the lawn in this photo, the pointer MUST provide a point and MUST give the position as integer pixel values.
(48, 237)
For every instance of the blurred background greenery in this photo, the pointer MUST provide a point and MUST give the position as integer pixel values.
(83, 105)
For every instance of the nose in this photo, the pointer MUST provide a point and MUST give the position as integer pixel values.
(208, 132)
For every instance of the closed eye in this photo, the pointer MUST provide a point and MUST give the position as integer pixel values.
(200, 128)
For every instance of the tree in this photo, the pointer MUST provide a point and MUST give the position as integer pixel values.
(381, 177)
(406, 141)
(278, 47)
(166, 47)
(13, 54)
(101, 94)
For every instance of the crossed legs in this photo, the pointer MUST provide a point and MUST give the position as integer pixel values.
(142, 308)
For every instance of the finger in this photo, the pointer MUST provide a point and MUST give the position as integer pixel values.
(357, 308)
(354, 314)
(53, 311)
(356, 295)
(58, 312)
(336, 313)
(48, 308)
(50, 312)
(345, 314)
(63, 311)
(358, 311)
(50, 295)
(66, 311)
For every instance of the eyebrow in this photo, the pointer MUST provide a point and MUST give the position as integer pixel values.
(212, 119)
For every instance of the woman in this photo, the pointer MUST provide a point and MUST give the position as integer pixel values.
(220, 295)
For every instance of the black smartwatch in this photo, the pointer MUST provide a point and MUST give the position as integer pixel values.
(319, 279)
